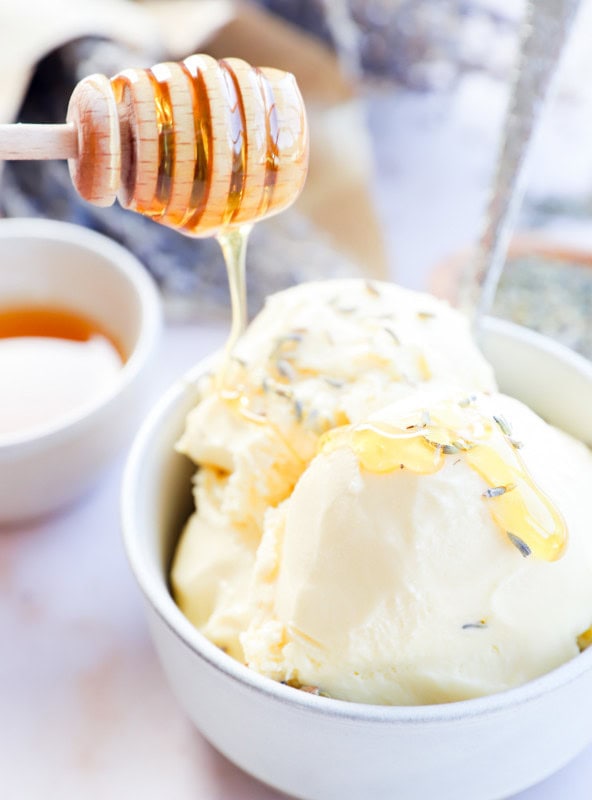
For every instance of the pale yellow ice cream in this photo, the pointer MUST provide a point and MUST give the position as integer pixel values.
(318, 356)
(213, 567)
(389, 576)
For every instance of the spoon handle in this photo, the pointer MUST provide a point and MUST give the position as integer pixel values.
(545, 30)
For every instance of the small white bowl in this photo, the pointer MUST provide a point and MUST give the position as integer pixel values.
(322, 749)
(67, 266)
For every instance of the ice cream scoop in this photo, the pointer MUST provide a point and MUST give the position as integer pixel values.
(318, 356)
(410, 566)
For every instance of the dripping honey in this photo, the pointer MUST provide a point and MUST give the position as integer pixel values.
(516, 504)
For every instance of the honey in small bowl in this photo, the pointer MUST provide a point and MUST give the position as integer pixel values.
(52, 361)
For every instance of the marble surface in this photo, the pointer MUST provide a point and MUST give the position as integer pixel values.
(84, 708)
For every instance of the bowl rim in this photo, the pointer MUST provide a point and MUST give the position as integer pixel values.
(157, 594)
(121, 261)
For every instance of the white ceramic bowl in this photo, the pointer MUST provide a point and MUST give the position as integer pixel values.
(55, 263)
(315, 747)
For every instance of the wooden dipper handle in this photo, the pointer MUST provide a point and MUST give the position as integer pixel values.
(199, 145)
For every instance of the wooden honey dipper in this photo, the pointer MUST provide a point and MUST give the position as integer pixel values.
(201, 145)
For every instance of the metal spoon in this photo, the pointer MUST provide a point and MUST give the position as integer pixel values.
(545, 30)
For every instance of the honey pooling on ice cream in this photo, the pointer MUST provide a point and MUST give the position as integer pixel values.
(318, 356)
(422, 442)
(397, 585)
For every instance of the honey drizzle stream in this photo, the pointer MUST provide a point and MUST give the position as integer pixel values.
(233, 242)
(232, 238)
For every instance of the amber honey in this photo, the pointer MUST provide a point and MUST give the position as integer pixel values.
(218, 158)
(52, 322)
(53, 361)
(516, 504)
